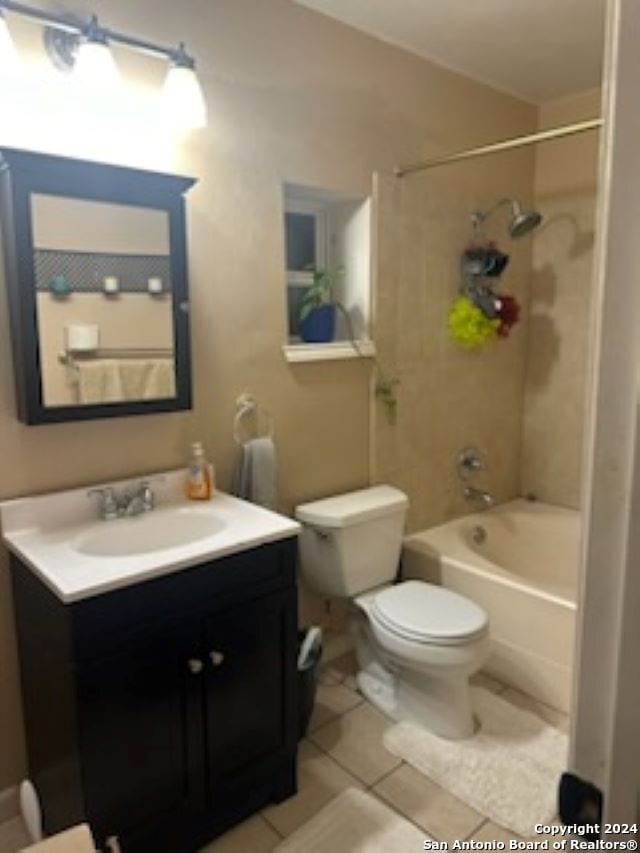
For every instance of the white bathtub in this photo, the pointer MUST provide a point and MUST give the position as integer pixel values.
(524, 575)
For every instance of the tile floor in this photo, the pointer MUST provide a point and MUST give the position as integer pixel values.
(344, 749)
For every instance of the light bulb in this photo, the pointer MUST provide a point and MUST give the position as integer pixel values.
(183, 96)
(8, 54)
(95, 68)
(95, 64)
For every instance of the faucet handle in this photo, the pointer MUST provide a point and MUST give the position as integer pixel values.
(146, 494)
(470, 460)
(109, 508)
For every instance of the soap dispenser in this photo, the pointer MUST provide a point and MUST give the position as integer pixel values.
(200, 478)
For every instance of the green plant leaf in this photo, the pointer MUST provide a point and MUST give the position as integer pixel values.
(305, 310)
(385, 392)
(320, 292)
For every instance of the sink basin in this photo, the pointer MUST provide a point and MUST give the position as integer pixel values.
(148, 533)
(60, 539)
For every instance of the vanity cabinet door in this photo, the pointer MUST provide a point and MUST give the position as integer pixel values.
(140, 723)
(250, 703)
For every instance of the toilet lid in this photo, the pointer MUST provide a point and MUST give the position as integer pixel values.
(426, 613)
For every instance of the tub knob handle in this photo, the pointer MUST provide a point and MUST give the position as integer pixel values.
(470, 461)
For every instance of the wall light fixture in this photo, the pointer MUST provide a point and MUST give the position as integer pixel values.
(84, 49)
(94, 66)
(182, 92)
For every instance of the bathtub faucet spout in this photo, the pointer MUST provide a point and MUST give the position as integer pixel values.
(478, 497)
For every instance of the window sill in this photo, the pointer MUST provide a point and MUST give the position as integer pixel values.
(335, 351)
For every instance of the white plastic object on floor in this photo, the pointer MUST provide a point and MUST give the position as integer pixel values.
(75, 840)
(311, 642)
(30, 810)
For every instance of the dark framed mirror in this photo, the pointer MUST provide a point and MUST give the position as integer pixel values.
(95, 260)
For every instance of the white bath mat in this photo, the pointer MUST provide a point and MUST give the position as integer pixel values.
(509, 770)
(355, 822)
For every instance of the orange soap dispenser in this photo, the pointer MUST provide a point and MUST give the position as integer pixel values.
(200, 482)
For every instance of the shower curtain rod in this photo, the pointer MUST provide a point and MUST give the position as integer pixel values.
(505, 145)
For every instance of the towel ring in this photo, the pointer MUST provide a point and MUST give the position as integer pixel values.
(247, 405)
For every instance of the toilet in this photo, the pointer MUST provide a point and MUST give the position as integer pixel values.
(417, 644)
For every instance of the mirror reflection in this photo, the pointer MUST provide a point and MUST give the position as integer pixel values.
(104, 301)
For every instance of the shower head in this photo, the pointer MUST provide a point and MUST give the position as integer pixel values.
(522, 221)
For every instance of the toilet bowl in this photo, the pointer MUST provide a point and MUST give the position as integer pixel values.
(417, 644)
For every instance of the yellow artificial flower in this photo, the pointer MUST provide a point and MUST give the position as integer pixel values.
(469, 326)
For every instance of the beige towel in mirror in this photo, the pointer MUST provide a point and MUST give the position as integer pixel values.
(148, 378)
(99, 381)
(161, 380)
(122, 379)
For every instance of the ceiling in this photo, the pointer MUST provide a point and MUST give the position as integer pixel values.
(535, 49)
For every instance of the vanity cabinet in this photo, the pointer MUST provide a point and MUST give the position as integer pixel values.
(164, 712)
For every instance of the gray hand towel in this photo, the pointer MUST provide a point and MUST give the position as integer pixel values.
(255, 473)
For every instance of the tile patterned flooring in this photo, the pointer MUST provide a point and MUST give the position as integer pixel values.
(344, 749)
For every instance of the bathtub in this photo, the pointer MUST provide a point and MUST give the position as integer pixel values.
(519, 561)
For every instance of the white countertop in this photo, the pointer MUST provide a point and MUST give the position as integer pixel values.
(49, 534)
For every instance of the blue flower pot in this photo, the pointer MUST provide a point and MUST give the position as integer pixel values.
(319, 326)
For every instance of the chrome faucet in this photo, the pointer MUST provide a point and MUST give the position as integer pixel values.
(127, 503)
(138, 500)
(479, 497)
(108, 507)
(469, 462)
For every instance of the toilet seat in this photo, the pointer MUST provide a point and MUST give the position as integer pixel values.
(428, 614)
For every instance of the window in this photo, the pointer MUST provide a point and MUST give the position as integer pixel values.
(306, 250)
(302, 241)
(327, 230)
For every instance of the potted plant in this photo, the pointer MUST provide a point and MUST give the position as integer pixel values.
(317, 318)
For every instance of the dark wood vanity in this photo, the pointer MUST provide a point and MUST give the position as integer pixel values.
(164, 712)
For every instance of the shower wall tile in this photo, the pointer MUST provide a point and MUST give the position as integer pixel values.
(556, 380)
(522, 401)
(447, 397)
(561, 294)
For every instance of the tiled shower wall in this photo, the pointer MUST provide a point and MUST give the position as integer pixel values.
(448, 397)
(561, 288)
(520, 400)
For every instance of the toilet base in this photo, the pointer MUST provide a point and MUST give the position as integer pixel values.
(379, 693)
(442, 706)
(437, 698)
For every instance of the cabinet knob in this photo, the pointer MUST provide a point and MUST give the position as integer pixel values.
(195, 666)
(217, 658)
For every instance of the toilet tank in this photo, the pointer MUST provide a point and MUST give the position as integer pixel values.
(351, 543)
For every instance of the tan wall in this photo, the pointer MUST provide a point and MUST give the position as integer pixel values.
(293, 97)
(561, 288)
(129, 320)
